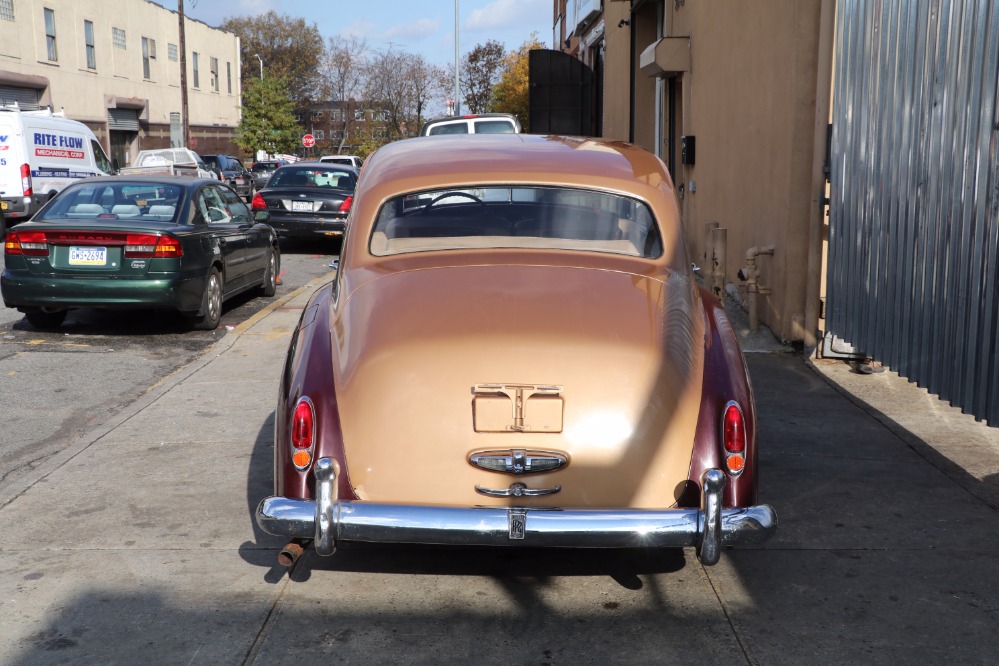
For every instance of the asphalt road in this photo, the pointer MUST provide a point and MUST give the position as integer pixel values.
(59, 384)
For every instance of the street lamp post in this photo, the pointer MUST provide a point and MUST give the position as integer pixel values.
(457, 99)
(261, 65)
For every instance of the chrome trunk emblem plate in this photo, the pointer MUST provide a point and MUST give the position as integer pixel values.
(518, 461)
(518, 523)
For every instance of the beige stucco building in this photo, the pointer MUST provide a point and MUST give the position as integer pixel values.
(116, 67)
(734, 97)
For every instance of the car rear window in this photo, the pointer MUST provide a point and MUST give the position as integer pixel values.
(265, 166)
(517, 216)
(494, 127)
(120, 200)
(449, 128)
(312, 177)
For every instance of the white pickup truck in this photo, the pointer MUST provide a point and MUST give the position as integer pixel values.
(168, 161)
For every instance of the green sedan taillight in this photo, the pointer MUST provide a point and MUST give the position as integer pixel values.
(136, 246)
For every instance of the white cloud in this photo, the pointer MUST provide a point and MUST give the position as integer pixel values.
(361, 28)
(503, 14)
(412, 32)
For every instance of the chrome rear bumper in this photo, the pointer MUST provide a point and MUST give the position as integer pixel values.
(328, 520)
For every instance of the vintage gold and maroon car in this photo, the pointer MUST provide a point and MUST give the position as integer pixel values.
(514, 352)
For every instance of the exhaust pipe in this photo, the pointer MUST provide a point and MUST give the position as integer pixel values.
(292, 551)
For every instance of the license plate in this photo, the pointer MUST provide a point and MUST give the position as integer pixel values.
(88, 256)
(3, 205)
(240, 181)
(301, 206)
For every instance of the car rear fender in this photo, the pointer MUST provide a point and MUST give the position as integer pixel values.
(308, 373)
(725, 379)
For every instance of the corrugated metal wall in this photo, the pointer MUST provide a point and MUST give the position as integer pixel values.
(914, 238)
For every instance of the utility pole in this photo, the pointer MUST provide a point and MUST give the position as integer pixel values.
(184, 121)
(457, 90)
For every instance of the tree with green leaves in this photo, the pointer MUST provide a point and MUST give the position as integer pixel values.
(268, 118)
(512, 93)
(289, 47)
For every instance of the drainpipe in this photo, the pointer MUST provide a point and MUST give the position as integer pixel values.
(816, 227)
(719, 247)
(751, 274)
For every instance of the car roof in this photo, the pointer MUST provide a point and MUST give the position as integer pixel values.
(181, 181)
(429, 162)
(317, 163)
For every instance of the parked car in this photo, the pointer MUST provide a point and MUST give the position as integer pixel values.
(262, 172)
(230, 170)
(163, 242)
(308, 199)
(349, 160)
(515, 352)
(481, 123)
(168, 162)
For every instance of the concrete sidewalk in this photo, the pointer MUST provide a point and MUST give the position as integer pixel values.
(138, 545)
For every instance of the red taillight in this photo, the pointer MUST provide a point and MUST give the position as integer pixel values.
(735, 429)
(27, 243)
(258, 202)
(303, 433)
(734, 438)
(345, 206)
(26, 179)
(151, 246)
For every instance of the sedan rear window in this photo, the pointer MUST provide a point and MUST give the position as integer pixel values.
(119, 200)
(523, 217)
(312, 177)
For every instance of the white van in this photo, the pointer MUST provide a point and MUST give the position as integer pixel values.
(40, 153)
(475, 123)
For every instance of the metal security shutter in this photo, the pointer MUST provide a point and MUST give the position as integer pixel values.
(913, 232)
(26, 98)
(124, 120)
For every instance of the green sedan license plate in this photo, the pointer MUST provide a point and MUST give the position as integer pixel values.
(88, 256)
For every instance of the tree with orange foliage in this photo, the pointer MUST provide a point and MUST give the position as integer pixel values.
(511, 94)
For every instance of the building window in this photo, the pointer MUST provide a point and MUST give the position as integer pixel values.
(228, 77)
(320, 136)
(88, 40)
(213, 69)
(7, 10)
(194, 66)
(359, 115)
(172, 54)
(118, 38)
(148, 53)
(50, 36)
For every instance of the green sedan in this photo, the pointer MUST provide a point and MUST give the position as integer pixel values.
(185, 244)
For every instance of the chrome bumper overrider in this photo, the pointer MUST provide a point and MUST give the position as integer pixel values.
(328, 520)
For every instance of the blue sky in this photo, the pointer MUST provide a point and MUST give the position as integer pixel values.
(425, 27)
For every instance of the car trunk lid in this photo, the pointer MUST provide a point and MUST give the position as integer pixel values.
(601, 367)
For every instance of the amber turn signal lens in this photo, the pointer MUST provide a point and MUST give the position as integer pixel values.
(735, 463)
(301, 458)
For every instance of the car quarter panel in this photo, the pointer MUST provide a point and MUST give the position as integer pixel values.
(307, 372)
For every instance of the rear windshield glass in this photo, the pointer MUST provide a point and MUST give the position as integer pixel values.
(312, 177)
(494, 127)
(449, 128)
(265, 166)
(543, 218)
(114, 201)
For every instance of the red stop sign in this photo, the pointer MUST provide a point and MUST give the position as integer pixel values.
(308, 141)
